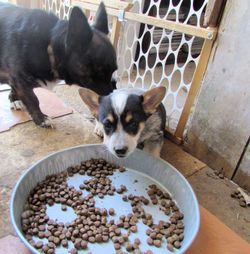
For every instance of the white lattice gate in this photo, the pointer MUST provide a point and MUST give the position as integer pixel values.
(161, 43)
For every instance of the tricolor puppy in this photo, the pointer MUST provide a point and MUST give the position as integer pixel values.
(130, 118)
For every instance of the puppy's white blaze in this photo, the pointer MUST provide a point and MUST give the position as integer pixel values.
(119, 101)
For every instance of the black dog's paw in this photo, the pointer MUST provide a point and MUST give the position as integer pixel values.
(44, 122)
(47, 123)
(17, 105)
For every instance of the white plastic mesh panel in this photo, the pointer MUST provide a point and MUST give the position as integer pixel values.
(150, 56)
(59, 7)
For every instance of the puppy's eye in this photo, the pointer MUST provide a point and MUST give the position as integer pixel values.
(132, 124)
(107, 125)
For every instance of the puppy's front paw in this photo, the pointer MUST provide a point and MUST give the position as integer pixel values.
(98, 129)
(46, 123)
(17, 105)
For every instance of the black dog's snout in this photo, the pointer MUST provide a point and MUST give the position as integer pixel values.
(121, 151)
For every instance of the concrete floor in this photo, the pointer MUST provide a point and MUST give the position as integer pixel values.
(26, 143)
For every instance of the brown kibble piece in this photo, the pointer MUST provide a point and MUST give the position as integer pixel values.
(125, 198)
(111, 211)
(117, 246)
(177, 244)
(150, 241)
(243, 204)
(91, 239)
(157, 243)
(56, 241)
(64, 243)
(84, 244)
(170, 247)
(137, 241)
(129, 247)
(73, 251)
(64, 208)
(51, 251)
(133, 229)
(39, 245)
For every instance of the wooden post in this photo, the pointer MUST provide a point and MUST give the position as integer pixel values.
(213, 12)
(116, 26)
(197, 78)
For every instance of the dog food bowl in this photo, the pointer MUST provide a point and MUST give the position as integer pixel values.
(142, 170)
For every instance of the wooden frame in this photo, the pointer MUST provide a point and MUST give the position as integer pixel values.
(205, 33)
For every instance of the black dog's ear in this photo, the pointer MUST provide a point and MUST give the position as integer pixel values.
(101, 19)
(79, 33)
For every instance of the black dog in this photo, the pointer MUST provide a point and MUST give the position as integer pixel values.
(36, 47)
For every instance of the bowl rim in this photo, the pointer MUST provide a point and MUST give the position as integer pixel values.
(30, 247)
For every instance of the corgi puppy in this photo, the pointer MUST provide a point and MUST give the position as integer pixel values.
(130, 118)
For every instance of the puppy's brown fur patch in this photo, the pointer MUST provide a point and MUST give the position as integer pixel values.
(129, 117)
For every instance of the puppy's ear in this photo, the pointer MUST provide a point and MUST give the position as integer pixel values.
(79, 33)
(101, 19)
(91, 99)
(152, 99)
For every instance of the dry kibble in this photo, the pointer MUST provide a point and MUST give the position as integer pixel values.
(64, 208)
(243, 204)
(111, 211)
(117, 246)
(133, 229)
(150, 241)
(51, 251)
(177, 244)
(39, 244)
(73, 251)
(64, 243)
(157, 243)
(91, 239)
(170, 247)
(94, 224)
(137, 241)
(129, 247)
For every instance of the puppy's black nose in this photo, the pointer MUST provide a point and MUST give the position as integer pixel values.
(121, 151)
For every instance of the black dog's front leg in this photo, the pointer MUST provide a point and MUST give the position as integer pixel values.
(24, 92)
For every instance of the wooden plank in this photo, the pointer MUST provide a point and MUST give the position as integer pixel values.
(172, 25)
(109, 3)
(213, 12)
(167, 24)
(185, 163)
(35, 4)
(172, 137)
(197, 78)
(116, 26)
